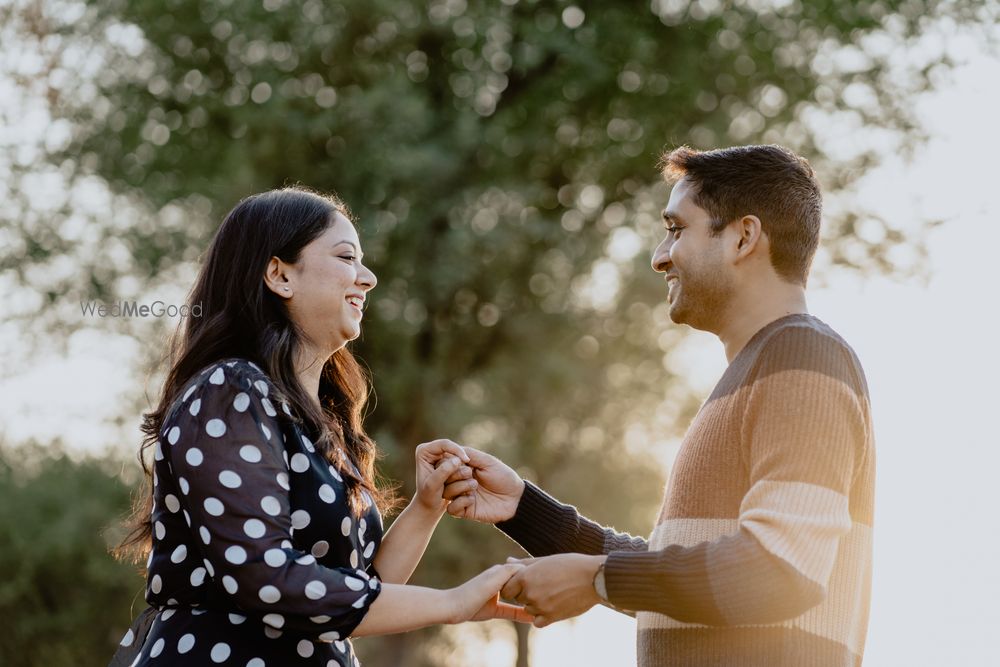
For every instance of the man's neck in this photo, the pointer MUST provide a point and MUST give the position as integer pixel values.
(755, 310)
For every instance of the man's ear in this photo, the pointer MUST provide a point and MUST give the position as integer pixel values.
(276, 278)
(750, 235)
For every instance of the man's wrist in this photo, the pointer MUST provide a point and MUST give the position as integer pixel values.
(600, 586)
(517, 498)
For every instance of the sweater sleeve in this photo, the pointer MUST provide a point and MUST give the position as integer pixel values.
(804, 429)
(224, 447)
(544, 526)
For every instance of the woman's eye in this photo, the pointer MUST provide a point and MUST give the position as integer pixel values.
(349, 258)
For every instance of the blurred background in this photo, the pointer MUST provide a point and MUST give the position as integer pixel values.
(500, 158)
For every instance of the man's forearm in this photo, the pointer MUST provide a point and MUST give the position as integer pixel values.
(543, 526)
(729, 581)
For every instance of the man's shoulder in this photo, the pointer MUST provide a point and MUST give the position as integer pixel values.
(801, 328)
(806, 343)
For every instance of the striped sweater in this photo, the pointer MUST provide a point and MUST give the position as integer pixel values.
(761, 555)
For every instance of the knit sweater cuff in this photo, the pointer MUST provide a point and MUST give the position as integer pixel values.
(631, 579)
(543, 526)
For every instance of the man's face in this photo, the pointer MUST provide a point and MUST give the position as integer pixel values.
(693, 262)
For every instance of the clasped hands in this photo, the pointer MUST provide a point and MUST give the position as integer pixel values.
(483, 488)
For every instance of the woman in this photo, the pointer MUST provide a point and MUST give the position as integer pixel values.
(262, 522)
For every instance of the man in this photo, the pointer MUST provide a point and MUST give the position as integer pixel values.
(762, 552)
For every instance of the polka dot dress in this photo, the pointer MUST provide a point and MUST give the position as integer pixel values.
(257, 559)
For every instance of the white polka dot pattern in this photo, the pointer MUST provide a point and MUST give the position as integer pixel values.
(172, 503)
(236, 555)
(327, 494)
(230, 479)
(227, 493)
(270, 505)
(250, 454)
(315, 590)
(241, 402)
(254, 528)
(275, 557)
(305, 648)
(220, 652)
(179, 554)
(185, 643)
(300, 463)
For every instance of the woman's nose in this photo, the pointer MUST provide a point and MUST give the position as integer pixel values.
(366, 278)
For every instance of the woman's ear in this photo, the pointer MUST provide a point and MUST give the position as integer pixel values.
(276, 278)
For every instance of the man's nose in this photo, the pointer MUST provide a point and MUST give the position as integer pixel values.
(661, 256)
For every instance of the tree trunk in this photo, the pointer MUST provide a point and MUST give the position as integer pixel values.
(523, 634)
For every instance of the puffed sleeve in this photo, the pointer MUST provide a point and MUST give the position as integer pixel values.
(225, 448)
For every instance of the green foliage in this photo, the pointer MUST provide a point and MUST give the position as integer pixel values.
(500, 160)
(63, 600)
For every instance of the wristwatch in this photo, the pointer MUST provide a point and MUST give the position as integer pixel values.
(599, 585)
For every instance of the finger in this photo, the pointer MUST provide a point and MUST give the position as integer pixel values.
(461, 506)
(479, 459)
(521, 561)
(541, 621)
(438, 448)
(533, 610)
(438, 477)
(512, 589)
(513, 612)
(463, 472)
(459, 488)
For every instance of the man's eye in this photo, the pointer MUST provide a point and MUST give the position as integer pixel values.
(674, 230)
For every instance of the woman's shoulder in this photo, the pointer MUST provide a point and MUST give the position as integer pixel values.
(235, 372)
(232, 375)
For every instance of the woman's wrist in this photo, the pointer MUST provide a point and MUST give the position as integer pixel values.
(450, 606)
(422, 512)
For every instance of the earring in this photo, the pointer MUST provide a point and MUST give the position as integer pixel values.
(286, 289)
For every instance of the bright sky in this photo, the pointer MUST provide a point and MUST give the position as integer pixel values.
(928, 352)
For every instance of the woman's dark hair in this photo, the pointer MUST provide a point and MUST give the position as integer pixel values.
(242, 317)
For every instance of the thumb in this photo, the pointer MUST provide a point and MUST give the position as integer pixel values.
(520, 561)
(440, 475)
(498, 575)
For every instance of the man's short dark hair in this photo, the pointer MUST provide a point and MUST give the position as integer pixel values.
(770, 182)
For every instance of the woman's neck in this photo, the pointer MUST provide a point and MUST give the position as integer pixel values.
(308, 369)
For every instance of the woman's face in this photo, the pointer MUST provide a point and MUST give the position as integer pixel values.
(328, 285)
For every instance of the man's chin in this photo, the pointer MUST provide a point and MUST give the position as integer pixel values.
(676, 313)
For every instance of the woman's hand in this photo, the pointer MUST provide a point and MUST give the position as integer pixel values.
(478, 599)
(438, 460)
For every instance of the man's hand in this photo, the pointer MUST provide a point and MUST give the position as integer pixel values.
(490, 496)
(554, 588)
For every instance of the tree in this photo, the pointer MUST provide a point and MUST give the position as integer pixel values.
(500, 159)
(63, 600)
